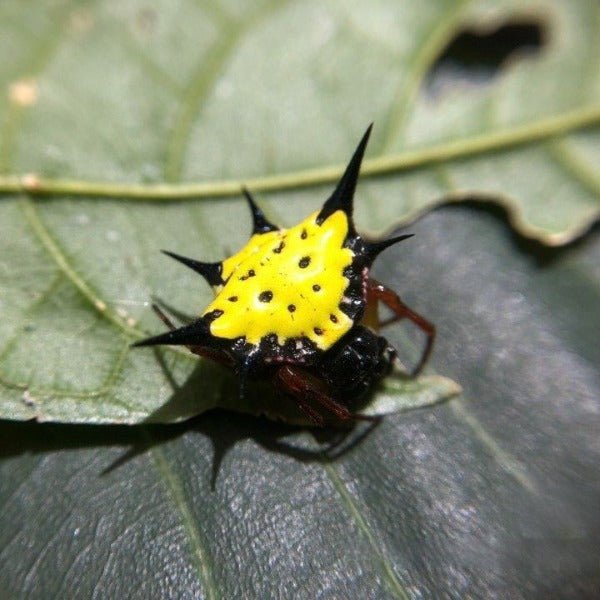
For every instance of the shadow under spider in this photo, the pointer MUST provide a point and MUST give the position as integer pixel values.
(226, 424)
(224, 428)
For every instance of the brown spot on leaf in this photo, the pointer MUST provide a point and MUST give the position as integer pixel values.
(23, 92)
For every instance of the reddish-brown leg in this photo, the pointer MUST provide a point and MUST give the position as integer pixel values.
(307, 390)
(377, 292)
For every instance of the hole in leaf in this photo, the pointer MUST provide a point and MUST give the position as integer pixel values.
(477, 56)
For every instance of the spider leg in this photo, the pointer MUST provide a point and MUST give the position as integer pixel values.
(314, 416)
(160, 313)
(378, 292)
(307, 390)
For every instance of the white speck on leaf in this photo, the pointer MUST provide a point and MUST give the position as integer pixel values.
(82, 219)
(324, 30)
(224, 89)
(28, 399)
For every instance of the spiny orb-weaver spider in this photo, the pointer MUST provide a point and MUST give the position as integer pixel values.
(299, 306)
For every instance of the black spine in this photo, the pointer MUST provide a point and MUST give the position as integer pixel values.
(260, 224)
(343, 195)
(373, 249)
(194, 334)
(210, 271)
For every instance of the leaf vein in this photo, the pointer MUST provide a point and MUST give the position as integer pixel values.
(206, 74)
(102, 390)
(422, 59)
(199, 552)
(574, 166)
(510, 464)
(388, 572)
(60, 258)
(409, 160)
(45, 295)
(502, 457)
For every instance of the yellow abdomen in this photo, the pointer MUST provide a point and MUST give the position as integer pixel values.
(289, 283)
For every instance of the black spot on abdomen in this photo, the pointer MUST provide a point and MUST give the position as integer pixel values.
(214, 314)
(251, 273)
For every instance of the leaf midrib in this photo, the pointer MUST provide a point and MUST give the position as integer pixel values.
(541, 130)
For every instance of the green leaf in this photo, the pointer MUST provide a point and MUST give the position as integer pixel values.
(68, 357)
(198, 97)
(491, 495)
(181, 91)
(100, 91)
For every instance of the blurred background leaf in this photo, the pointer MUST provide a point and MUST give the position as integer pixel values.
(492, 494)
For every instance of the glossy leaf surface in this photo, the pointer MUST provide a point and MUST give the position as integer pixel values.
(495, 494)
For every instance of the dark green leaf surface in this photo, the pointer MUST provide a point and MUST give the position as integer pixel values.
(492, 495)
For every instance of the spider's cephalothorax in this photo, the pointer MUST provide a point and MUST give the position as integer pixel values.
(296, 305)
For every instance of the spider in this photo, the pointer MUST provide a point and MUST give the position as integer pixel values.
(298, 306)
